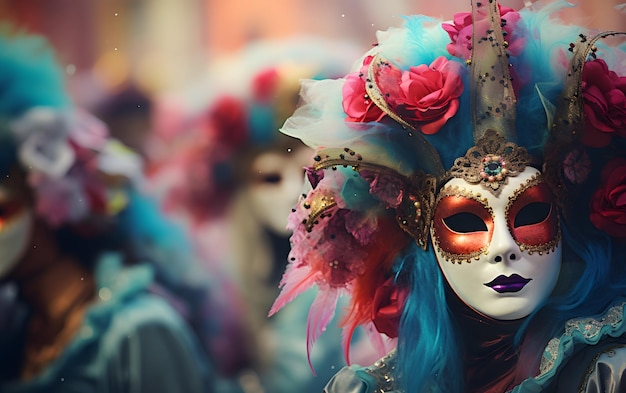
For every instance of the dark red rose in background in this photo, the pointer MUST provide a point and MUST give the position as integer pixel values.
(387, 307)
(228, 122)
(604, 96)
(608, 204)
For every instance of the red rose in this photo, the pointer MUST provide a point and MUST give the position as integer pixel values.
(265, 84)
(356, 103)
(429, 94)
(461, 33)
(608, 204)
(228, 123)
(387, 307)
(604, 96)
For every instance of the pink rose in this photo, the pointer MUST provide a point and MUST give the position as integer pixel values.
(577, 166)
(387, 188)
(429, 94)
(356, 103)
(608, 204)
(604, 96)
(461, 33)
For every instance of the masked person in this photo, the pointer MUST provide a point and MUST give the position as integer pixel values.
(235, 181)
(466, 193)
(75, 234)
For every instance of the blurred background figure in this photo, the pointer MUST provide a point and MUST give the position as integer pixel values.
(233, 178)
(83, 253)
(128, 113)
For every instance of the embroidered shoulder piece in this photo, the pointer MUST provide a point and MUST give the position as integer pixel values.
(590, 329)
(384, 373)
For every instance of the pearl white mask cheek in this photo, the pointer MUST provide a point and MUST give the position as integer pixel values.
(276, 182)
(500, 255)
(15, 234)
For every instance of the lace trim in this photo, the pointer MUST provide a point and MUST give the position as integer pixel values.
(591, 329)
(384, 373)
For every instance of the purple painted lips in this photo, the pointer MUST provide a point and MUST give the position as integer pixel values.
(513, 283)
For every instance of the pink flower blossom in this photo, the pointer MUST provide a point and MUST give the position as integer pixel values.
(388, 189)
(429, 95)
(356, 103)
(460, 33)
(604, 96)
(577, 166)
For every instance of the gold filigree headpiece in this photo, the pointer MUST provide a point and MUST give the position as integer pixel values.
(491, 162)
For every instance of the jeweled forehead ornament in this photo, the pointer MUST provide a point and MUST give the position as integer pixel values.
(491, 162)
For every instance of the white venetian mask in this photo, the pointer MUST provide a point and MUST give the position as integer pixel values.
(276, 182)
(500, 254)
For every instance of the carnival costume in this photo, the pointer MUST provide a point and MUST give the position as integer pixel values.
(91, 324)
(446, 137)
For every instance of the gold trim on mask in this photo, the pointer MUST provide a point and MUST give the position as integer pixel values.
(540, 248)
(452, 257)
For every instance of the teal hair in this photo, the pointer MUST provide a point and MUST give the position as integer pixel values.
(428, 357)
(30, 76)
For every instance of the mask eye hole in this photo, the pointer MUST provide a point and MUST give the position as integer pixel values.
(465, 223)
(533, 213)
(271, 178)
(268, 178)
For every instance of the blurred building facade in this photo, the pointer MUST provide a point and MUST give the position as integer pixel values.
(163, 45)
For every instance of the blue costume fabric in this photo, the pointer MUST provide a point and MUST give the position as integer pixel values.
(130, 341)
(589, 356)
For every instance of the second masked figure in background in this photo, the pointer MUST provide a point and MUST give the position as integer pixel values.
(234, 179)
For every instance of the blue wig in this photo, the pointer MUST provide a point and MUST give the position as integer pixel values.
(427, 344)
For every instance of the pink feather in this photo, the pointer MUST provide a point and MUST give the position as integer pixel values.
(321, 312)
(346, 340)
(381, 343)
(296, 280)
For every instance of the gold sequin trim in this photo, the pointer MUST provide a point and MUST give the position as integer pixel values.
(460, 258)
